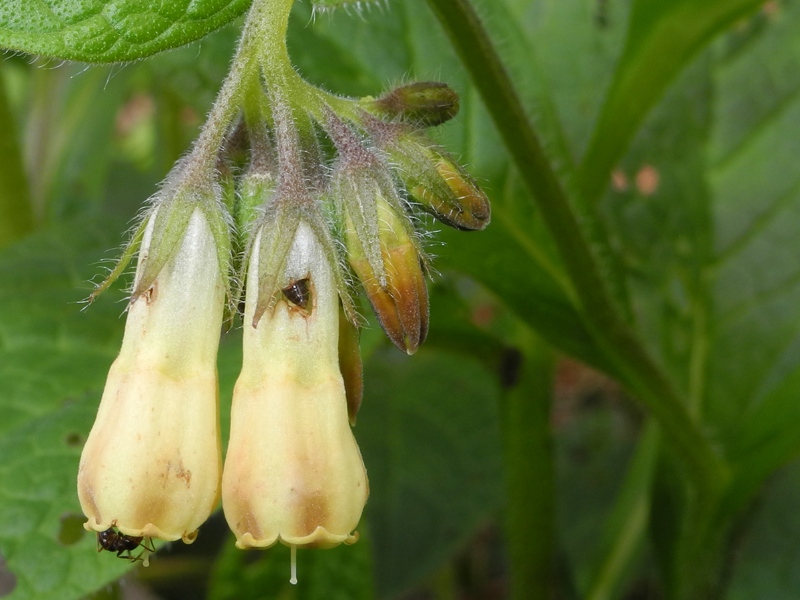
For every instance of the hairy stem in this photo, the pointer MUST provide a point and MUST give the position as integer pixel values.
(629, 359)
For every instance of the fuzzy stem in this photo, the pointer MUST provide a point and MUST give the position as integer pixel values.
(244, 67)
(630, 361)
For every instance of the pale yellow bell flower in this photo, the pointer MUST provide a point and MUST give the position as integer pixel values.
(152, 463)
(293, 472)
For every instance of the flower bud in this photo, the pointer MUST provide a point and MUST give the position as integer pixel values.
(350, 364)
(436, 182)
(151, 464)
(398, 295)
(379, 239)
(293, 472)
(423, 104)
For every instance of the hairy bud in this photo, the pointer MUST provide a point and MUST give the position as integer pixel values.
(423, 104)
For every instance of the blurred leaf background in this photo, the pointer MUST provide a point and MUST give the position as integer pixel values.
(530, 449)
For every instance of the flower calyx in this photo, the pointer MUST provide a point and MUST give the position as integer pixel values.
(381, 245)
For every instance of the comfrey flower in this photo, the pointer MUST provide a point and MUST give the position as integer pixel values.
(151, 465)
(324, 194)
(293, 472)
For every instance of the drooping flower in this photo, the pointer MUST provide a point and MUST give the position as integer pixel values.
(151, 465)
(293, 472)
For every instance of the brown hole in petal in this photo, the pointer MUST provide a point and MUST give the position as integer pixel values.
(151, 293)
(300, 294)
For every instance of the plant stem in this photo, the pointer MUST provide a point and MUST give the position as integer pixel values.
(230, 97)
(530, 474)
(628, 519)
(630, 361)
(16, 212)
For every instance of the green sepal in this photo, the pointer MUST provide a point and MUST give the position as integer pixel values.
(312, 214)
(255, 192)
(130, 251)
(355, 193)
(277, 232)
(220, 227)
(171, 218)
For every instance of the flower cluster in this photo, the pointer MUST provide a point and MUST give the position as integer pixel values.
(295, 199)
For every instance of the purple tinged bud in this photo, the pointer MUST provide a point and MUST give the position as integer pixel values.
(422, 104)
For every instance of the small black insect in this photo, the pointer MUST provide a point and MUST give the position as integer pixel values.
(298, 292)
(114, 541)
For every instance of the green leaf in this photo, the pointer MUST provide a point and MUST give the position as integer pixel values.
(105, 31)
(711, 249)
(755, 179)
(663, 36)
(428, 431)
(768, 552)
(53, 362)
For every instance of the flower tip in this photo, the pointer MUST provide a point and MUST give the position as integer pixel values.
(148, 531)
(320, 538)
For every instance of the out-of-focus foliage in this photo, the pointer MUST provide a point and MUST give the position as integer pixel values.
(672, 129)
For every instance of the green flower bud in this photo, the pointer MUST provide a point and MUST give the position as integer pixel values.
(422, 104)
(438, 184)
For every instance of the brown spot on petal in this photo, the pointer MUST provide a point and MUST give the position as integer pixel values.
(186, 475)
(312, 512)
